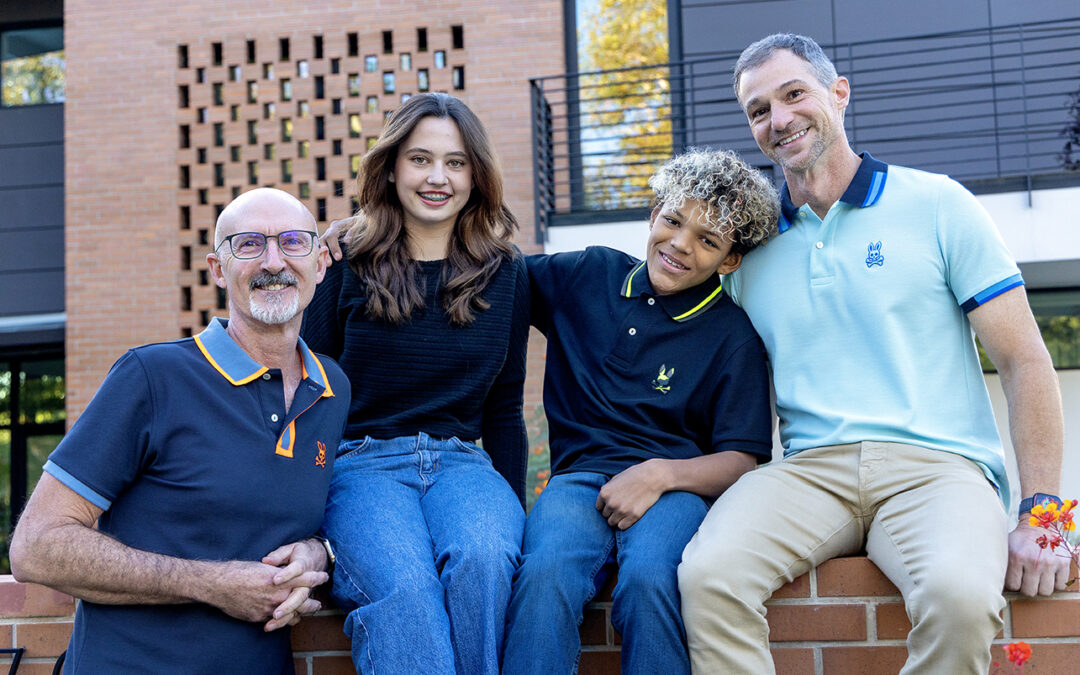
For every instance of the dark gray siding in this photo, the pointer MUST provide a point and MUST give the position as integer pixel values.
(31, 210)
(951, 103)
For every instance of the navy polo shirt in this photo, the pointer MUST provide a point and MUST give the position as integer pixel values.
(632, 375)
(188, 448)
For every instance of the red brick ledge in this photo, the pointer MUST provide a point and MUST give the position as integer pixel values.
(844, 618)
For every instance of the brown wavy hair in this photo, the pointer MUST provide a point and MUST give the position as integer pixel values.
(377, 241)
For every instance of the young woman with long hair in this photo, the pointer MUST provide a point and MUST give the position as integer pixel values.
(428, 315)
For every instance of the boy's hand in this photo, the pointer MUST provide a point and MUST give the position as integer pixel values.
(628, 495)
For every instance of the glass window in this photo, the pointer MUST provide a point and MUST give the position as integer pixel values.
(252, 91)
(235, 73)
(388, 82)
(286, 130)
(234, 113)
(268, 151)
(354, 44)
(388, 42)
(219, 93)
(372, 104)
(216, 51)
(269, 111)
(335, 66)
(354, 126)
(32, 66)
(268, 71)
(422, 83)
(457, 36)
(302, 70)
(354, 84)
(286, 171)
(1057, 313)
(305, 190)
(286, 89)
(336, 146)
(32, 394)
(421, 39)
(302, 109)
(371, 63)
(458, 77)
(354, 166)
(440, 59)
(406, 61)
(303, 149)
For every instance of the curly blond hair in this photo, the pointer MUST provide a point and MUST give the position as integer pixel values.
(740, 203)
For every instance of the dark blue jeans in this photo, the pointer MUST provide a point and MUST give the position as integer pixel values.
(568, 544)
(427, 536)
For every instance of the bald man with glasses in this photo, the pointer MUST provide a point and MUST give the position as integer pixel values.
(182, 508)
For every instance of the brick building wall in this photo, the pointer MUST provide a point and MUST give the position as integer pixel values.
(845, 618)
(129, 255)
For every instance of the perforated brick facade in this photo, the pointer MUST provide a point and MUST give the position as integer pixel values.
(173, 108)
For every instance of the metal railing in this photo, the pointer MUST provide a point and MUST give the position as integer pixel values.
(989, 107)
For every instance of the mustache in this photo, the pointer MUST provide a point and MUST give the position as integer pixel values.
(263, 279)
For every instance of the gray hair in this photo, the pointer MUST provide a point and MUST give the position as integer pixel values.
(805, 48)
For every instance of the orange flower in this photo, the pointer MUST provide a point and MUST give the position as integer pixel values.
(1043, 516)
(1018, 652)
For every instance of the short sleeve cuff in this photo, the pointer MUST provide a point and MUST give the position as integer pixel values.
(80, 488)
(992, 292)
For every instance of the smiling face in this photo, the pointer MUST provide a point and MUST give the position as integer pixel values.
(795, 119)
(432, 174)
(682, 251)
(273, 288)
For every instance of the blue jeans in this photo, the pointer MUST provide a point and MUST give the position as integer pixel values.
(568, 545)
(427, 536)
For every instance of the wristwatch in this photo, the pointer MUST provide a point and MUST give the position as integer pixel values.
(1038, 499)
(331, 559)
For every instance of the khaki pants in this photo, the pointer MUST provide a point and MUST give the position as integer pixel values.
(928, 519)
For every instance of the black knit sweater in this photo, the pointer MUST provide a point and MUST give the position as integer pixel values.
(426, 374)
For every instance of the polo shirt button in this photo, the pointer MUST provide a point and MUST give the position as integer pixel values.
(652, 301)
(820, 244)
(266, 376)
(274, 417)
(633, 331)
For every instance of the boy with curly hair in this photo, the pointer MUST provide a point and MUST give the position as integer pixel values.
(657, 399)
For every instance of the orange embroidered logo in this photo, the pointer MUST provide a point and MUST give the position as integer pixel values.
(320, 459)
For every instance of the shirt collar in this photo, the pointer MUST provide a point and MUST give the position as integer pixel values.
(864, 190)
(681, 306)
(234, 364)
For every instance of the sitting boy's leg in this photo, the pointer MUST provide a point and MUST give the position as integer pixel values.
(942, 539)
(646, 609)
(772, 525)
(567, 543)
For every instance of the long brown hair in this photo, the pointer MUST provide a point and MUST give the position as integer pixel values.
(377, 242)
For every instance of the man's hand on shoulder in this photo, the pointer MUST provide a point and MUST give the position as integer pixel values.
(629, 494)
(1032, 569)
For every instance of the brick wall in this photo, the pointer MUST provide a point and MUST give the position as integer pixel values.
(124, 252)
(845, 618)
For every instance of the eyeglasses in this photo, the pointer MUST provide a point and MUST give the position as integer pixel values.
(248, 245)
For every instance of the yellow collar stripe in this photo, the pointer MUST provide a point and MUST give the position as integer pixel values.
(701, 305)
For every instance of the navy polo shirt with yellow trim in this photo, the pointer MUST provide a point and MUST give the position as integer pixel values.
(188, 448)
(632, 375)
(864, 315)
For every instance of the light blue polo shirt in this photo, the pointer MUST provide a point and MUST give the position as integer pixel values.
(864, 315)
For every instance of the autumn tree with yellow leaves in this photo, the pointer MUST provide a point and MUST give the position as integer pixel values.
(626, 110)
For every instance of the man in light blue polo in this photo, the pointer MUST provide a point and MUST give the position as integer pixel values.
(866, 300)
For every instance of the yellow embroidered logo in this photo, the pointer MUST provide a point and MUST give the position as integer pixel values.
(662, 383)
(320, 459)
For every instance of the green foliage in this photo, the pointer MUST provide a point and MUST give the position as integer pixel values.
(625, 116)
(30, 80)
(1070, 154)
(539, 466)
